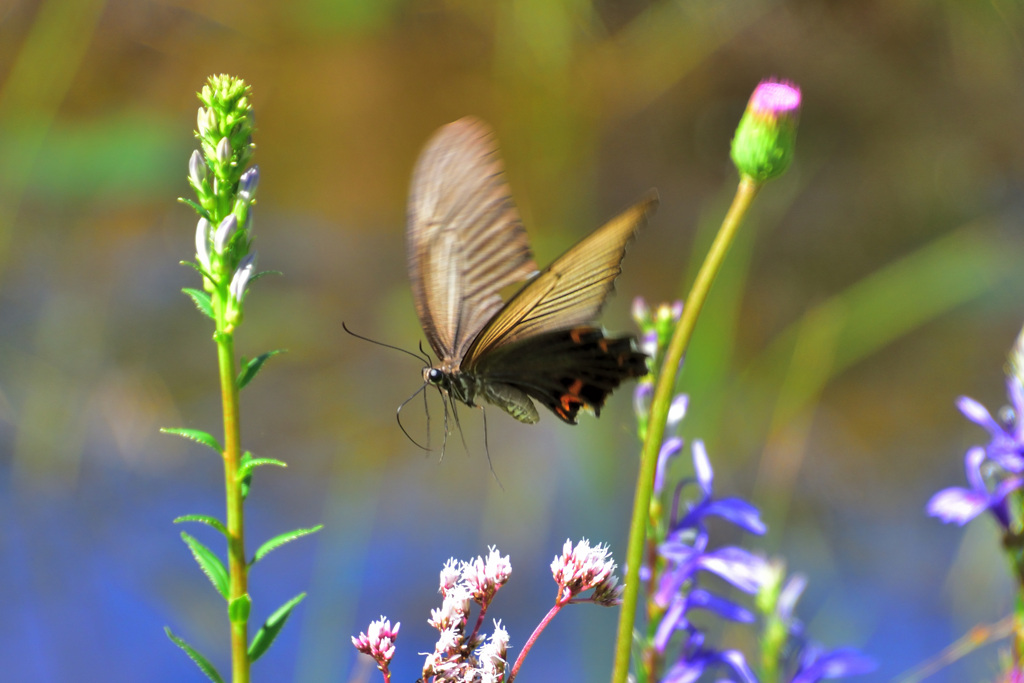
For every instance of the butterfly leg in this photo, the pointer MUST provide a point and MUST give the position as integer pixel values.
(398, 417)
(458, 425)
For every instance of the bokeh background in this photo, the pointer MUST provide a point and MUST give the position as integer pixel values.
(872, 285)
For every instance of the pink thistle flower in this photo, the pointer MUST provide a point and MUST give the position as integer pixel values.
(765, 139)
(774, 99)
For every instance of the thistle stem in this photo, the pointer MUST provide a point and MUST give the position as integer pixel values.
(237, 567)
(559, 604)
(660, 404)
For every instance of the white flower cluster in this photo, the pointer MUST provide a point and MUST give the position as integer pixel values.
(378, 641)
(582, 568)
(460, 654)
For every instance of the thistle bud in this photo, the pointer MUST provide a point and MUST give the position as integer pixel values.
(766, 137)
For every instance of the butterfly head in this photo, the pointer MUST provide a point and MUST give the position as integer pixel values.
(433, 376)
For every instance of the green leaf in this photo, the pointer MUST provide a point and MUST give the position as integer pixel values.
(260, 274)
(201, 300)
(203, 213)
(209, 563)
(238, 609)
(202, 662)
(280, 540)
(205, 519)
(245, 471)
(251, 367)
(195, 435)
(271, 627)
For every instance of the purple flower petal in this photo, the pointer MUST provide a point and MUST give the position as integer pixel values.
(737, 566)
(838, 663)
(739, 512)
(738, 663)
(997, 501)
(957, 505)
(642, 398)
(685, 671)
(979, 415)
(789, 596)
(702, 467)
(702, 599)
(1005, 452)
(668, 450)
(1015, 391)
(972, 467)
(676, 411)
(674, 620)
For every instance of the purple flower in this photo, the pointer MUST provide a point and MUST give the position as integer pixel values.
(1006, 446)
(696, 658)
(669, 449)
(817, 664)
(685, 552)
(675, 616)
(960, 505)
(734, 510)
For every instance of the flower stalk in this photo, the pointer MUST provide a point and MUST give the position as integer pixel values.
(753, 145)
(225, 191)
(660, 404)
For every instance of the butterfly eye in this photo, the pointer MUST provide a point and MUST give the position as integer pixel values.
(434, 376)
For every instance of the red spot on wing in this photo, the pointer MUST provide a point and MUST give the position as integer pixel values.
(570, 401)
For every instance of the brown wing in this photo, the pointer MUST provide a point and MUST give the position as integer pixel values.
(566, 370)
(569, 292)
(464, 240)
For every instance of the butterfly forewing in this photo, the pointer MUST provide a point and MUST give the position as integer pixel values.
(464, 239)
(569, 292)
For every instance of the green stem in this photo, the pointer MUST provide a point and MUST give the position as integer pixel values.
(237, 567)
(663, 391)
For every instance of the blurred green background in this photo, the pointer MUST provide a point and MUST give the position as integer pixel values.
(872, 285)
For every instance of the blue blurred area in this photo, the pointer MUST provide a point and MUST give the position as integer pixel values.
(873, 284)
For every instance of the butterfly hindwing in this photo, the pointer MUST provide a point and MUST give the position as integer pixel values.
(566, 370)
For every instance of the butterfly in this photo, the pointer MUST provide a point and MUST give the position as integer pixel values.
(465, 243)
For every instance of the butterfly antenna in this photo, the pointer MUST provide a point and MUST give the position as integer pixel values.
(398, 417)
(426, 356)
(423, 358)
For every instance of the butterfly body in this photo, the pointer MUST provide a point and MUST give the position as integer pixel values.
(465, 243)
